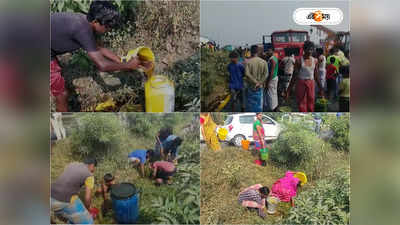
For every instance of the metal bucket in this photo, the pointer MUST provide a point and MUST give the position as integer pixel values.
(272, 204)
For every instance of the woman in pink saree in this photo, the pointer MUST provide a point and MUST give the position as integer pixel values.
(286, 188)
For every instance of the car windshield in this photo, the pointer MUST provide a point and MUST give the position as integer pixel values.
(228, 120)
(299, 37)
(281, 38)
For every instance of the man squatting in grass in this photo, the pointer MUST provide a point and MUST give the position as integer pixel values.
(64, 193)
(254, 197)
(163, 171)
(104, 189)
(139, 157)
(73, 31)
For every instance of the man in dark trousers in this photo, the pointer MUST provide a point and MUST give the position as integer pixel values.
(73, 31)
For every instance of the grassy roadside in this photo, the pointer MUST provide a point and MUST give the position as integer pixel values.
(227, 172)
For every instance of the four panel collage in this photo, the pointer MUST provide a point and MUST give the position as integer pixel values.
(199, 112)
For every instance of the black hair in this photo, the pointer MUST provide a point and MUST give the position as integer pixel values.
(333, 50)
(105, 13)
(253, 50)
(233, 55)
(89, 161)
(270, 47)
(332, 60)
(164, 133)
(177, 141)
(150, 153)
(320, 51)
(308, 45)
(264, 190)
(344, 70)
(258, 113)
(108, 177)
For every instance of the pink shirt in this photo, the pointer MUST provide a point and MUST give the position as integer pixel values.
(164, 165)
(286, 187)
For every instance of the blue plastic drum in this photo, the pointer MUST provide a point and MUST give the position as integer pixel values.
(125, 202)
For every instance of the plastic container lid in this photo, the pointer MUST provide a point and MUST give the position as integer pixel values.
(123, 191)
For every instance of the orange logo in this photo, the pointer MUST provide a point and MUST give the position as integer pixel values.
(318, 16)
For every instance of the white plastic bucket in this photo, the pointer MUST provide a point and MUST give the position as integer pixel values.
(272, 204)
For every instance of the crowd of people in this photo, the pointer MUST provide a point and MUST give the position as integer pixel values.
(64, 197)
(259, 82)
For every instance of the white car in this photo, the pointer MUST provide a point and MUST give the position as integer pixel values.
(240, 127)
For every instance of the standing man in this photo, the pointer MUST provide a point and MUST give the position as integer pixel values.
(305, 73)
(271, 98)
(64, 199)
(73, 31)
(256, 71)
(236, 73)
(321, 68)
(288, 66)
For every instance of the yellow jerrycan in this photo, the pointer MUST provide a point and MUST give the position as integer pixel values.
(144, 53)
(159, 94)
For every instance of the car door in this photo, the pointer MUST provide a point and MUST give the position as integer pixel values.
(270, 127)
(246, 126)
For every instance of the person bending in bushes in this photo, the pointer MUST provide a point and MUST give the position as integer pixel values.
(286, 188)
(254, 197)
(163, 172)
(73, 31)
(139, 157)
(64, 193)
(170, 148)
(161, 136)
(104, 189)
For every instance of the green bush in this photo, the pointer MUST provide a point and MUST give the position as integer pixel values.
(96, 134)
(341, 130)
(186, 76)
(299, 148)
(326, 203)
(148, 124)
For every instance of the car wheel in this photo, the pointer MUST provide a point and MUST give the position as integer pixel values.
(237, 140)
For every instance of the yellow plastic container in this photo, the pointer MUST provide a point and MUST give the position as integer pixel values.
(159, 94)
(302, 177)
(222, 133)
(245, 144)
(145, 54)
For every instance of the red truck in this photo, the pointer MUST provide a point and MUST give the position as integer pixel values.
(289, 39)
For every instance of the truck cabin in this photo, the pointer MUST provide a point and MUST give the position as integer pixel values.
(286, 41)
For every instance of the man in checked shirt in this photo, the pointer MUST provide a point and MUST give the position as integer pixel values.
(254, 197)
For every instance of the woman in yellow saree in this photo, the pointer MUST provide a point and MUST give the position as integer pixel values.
(208, 131)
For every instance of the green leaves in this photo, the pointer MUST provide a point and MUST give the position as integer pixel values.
(326, 203)
(341, 128)
(96, 134)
